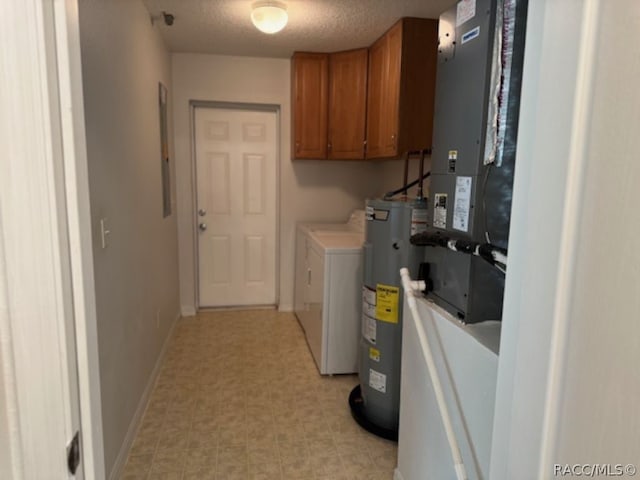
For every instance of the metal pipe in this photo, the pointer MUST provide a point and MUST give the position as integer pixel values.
(406, 174)
(421, 173)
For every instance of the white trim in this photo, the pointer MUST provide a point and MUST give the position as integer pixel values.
(538, 282)
(134, 426)
(188, 310)
(79, 225)
(249, 107)
(37, 304)
(10, 443)
(576, 172)
(397, 475)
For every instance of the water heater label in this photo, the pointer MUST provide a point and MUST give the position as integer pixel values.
(465, 11)
(440, 210)
(382, 215)
(387, 303)
(369, 295)
(368, 213)
(369, 329)
(377, 381)
(369, 309)
(418, 220)
(374, 354)
(462, 204)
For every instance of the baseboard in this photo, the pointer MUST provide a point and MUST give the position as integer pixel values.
(285, 308)
(397, 475)
(188, 310)
(121, 459)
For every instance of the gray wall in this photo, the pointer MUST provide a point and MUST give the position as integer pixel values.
(123, 59)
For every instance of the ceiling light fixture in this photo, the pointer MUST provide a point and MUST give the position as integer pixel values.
(269, 16)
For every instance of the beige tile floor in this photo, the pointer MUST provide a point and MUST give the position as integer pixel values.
(239, 397)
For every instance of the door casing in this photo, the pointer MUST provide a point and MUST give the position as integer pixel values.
(259, 107)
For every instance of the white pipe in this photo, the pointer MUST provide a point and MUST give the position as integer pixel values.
(499, 257)
(458, 464)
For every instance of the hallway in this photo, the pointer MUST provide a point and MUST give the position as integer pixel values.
(239, 397)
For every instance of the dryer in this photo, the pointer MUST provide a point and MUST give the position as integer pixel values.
(327, 291)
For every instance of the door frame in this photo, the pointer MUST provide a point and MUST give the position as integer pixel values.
(48, 387)
(249, 107)
(557, 83)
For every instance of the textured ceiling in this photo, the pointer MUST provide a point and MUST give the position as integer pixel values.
(224, 26)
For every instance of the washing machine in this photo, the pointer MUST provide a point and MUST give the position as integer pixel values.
(327, 291)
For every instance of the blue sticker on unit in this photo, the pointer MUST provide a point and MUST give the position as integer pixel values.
(470, 35)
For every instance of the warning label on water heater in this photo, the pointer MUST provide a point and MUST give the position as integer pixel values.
(369, 329)
(462, 204)
(387, 303)
(377, 381)
(369, 309)
(368, 295)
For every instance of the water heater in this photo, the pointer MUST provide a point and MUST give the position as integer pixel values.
(375, 403)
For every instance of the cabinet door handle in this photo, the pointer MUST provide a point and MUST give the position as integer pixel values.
(308, 276)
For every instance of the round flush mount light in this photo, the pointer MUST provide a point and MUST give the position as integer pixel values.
(269, 16)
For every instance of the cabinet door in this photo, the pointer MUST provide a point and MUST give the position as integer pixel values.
(402, 66)
(309, 87)
(385, 59)
(347, 104)
(391, 100)
(376, 98)
(417, 91)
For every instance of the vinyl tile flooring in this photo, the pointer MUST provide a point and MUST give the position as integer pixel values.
(239, 397)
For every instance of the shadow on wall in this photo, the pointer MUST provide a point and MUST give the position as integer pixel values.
(333, 173)
(328, 186)
(370, 178)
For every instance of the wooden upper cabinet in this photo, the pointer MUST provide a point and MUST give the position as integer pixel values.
(384, 94)
(309, 87)
(329, 104)
(376, 104)
(402, 66)
(347, 104)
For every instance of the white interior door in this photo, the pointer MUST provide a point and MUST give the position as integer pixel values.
(236, 206)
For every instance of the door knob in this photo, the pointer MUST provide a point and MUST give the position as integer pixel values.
(202, 212)
(202, 227)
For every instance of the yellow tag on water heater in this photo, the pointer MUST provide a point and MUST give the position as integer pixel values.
(387, 303)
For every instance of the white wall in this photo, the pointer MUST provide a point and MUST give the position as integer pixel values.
(391, 175)
(308, 190)
(599, 419)
(466, 363)
(568, 385)
(136, 276)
